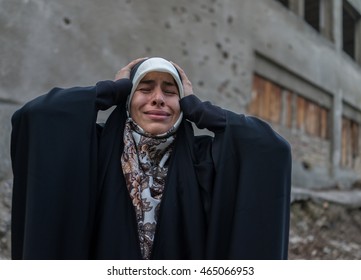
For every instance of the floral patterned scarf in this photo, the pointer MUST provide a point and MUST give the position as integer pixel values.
(145, 165)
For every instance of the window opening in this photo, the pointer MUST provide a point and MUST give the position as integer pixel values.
(284, 3)
(350, 18)
(312, 13)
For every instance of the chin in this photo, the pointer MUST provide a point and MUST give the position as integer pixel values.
(157, 130)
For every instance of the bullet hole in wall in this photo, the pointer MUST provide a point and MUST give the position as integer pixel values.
(179, 10)
(223, 86)
(197, 18)
(183, 9)
(66, 21)
(200, 83)
(237, 90)
(230, 19)
(228, 94)
(306, 165)
(225, 54)
(167, 25)
(234, 68)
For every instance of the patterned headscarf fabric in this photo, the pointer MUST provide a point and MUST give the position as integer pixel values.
(145, 166)
(145, 158)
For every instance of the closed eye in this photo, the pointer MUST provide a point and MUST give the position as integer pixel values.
(170, 92)
(145, 90)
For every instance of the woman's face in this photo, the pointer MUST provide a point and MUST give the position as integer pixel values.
(155, 103)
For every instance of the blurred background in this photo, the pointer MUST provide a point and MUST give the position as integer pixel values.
(293, 63)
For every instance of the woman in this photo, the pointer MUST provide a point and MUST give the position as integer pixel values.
(143, 186)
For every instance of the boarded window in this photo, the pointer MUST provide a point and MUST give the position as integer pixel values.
(276, 104)
(266, 100)
(301, 113)
(289, 101)
(324, 123)
(312, 118)
(350, 150)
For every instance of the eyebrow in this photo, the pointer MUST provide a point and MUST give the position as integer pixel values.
(148, 82)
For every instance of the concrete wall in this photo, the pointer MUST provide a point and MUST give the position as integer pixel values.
(220, 44)
(65, 43)
(47, 43)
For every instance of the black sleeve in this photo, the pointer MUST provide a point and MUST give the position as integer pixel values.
(251, 191)
(54, 162)
(109, 93)
(203, 114)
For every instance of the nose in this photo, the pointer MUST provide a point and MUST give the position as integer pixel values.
(158, 98)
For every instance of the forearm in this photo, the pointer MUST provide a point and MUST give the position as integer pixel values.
(110, 93)
(73, 105)
(203, 114)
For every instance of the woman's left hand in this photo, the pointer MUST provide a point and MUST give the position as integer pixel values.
(187, 85)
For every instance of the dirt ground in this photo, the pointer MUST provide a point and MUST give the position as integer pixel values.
(324, 231)
(318, 230)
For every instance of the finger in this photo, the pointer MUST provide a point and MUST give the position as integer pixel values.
(180, 70)
(177, 66)
(134, 62)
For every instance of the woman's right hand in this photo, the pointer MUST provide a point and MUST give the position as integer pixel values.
(124, 73)
(187, 85)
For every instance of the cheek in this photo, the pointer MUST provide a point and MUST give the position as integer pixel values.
(175, 107)
(177, 111)
(134, 109)
(131, 109)
(136, 103)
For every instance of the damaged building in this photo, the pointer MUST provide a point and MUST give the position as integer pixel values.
(293, 63)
